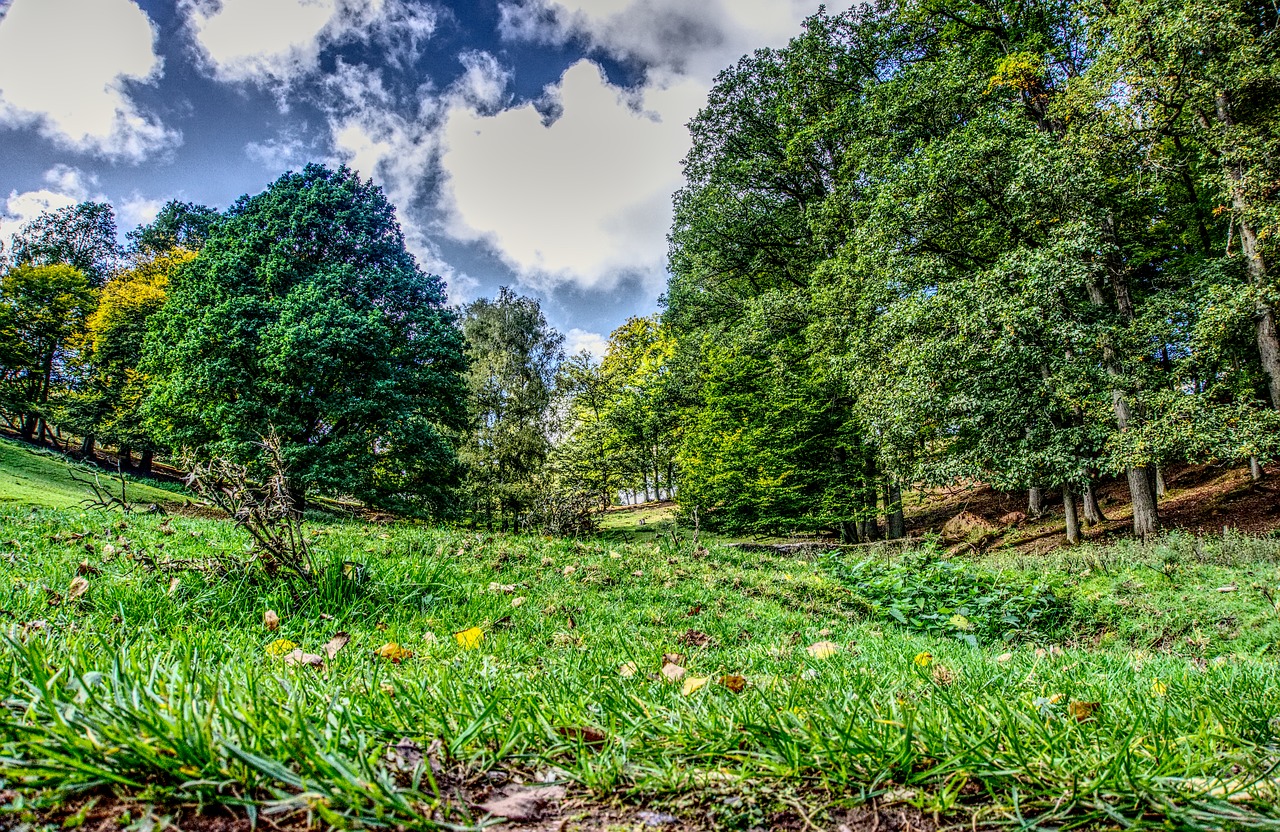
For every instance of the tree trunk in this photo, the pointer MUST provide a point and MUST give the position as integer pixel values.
(1092, 511)
(1267, 337)
(86, 446)
(1161, 489)
(126, 456)
(144, 464)
(1255, 469)
(848, 531)
(1035, 501)
(893, 507)
(1069, 510)
(1146, 520)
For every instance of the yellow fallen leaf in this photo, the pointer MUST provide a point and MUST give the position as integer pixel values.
(280, 647)
(271, 620)
(923, 659)
(693, 684)
(1158, 687)
(392, 652)
(469, 639)
(960, 622)
(823, 649)
(628, 669)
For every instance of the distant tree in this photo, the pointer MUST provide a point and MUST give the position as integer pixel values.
(108, 404)
(304, 316)
(514, 356)
(184, 225)
(81, 236)
(43, 307)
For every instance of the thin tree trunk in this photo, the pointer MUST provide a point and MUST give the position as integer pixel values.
(1069, 510)
(144, 464)
(1092, 511)
(893, 507)
(1161, 489)
(126, 456)
(849, 532)
(1255, 469)
(86, 446)
(1035, 501)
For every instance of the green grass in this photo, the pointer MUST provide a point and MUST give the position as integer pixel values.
(167, 689)
(42, 478)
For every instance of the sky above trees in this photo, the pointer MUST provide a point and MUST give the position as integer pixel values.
(534, 143)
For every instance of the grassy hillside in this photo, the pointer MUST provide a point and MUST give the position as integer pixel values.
(726, 689)
(41, 478)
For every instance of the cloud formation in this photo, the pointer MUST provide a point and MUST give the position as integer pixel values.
(583, 199)
(276, 42)
(66, 67)
(66, 186)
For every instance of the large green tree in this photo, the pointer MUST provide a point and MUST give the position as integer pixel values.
(305, 315)
(82, 236)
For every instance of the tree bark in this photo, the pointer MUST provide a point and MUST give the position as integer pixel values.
(1069, 511)
(126, 456)
(1255, 469)
(1035, 501)
(144, 464)
(86, 446)
(1161, 489)
(893, 507)
(1092, 511)
(1146, 520)
(848, 531)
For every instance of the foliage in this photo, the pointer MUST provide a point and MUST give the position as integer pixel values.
(80, 236)
(513, 357)
(177, 225)
(304, 312)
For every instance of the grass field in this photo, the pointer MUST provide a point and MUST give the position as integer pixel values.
(1113, 687)
(40, 478)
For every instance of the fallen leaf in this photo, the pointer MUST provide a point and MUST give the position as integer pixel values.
(85, 568)
(270, 620)
(823, 649)
(521, 803)
(1082, 711)
(1158, 687)
(469, 639)
(324, 616)
(592, 737)
(296, 656)
(960, 622)
(696, 610)
(336, 644)
(628, 669)
(693, 684)
(737, 684)
(569, 570)
(672, 672)
(174, 584)
(517, 601)
(79, 586)
(388, 688)
(1004, 657)
(694, 638)
(280, 648)
(392, 652)
(639, 573)
(1228, 588)
(405, 755)
(923, 659)
(673, 658)
(943, 676)
(502, 589)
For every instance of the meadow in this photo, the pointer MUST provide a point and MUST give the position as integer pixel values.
(443, 678)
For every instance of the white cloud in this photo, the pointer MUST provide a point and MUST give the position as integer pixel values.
(273, 42)
(577, 340)
(67, 186)
(692, 38)
(138, 210)
(583, 199)
(65, 66)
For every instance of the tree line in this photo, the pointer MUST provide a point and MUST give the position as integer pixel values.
(1022, 242)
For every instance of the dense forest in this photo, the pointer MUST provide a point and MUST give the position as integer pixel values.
(1024, 242)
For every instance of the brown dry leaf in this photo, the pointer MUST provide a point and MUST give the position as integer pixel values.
(521, 803)
(672, 672)
(823, 649)
(694, 638)
(628, 669)
(79, 586)
(569, 570)
(271, 620)
(388, 688)
(591, 737)
(673, 658)
(517, 601)
(392, 652)
(639, 573)
(405, 755)
(697, 610)
(174, 584)
(85, 568)
(336, 644)
(1082, 711)
(737, 684)
(943, 676)
(298, 657)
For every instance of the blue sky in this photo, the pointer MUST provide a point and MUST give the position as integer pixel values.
(528, 143)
